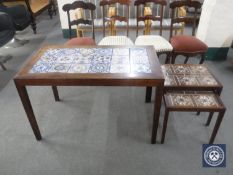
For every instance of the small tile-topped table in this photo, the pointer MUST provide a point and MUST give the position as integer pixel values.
(91, 66)
(195, 77)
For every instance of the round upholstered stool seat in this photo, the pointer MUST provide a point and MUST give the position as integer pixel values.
(116, 40)
(160, 44)
(188, 44)
(80, 41)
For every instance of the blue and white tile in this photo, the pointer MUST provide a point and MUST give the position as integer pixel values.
(103, 51)
(60, 68)
(82, 60)
(140, 68)
(138, 52)
(120, 68)
(67, 51)
(86, 51)
(101, 59)
(99, 68)
(121, 51)
(79, 68)
(65, 59)
(47, 59)
(120, 59)
(40, 68)
(137, 59)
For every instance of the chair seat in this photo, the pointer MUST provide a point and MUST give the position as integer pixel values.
(80, 41)
(116, 40)
(188, 44)
(160, 44)
(37, 6)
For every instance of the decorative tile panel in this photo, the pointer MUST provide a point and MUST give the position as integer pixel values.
(208, 80)
(194, 100)
(187, 80)
(181, 100)
(170, 80)
(205, 100)
(93, 60)
(188, 75)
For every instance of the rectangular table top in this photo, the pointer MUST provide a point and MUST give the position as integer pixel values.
(134, 65)
(189, 75)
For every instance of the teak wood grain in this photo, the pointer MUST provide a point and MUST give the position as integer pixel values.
(154, 79)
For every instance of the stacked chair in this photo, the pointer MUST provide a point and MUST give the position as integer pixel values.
(7, 32)
(20, 17)
(35, 8)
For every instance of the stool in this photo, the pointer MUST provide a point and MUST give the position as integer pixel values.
(203, 102)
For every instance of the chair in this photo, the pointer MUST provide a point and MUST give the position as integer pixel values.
(161, 45)
(113, 19)
(35, 8)
(85, 6)
(7, 33)
(188, 46)
(20, 17)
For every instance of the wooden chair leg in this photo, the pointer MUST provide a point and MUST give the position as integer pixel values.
(148, 94)
(216, 127)
(33, 24)
(173, 58)
(168, 55)
(50, 10)
(209, 119)
(202, 59)
(164, 125)
(2, 65)
(55, 93)
(186, 59)
(54, 8)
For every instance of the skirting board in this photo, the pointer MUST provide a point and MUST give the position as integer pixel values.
(216, 53)
(66, 33)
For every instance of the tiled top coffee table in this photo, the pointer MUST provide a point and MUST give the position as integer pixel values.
(91, 66)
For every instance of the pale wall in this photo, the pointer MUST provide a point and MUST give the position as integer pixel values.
(216, 23)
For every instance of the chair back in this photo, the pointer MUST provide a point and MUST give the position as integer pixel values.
(106, 3)
(187, 19)
(153, 17)
(80, 5)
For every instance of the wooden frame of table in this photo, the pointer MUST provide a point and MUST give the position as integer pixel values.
(201, 87)
(153, 79)
(216, 88)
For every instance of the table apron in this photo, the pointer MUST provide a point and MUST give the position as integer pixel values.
(115, 82)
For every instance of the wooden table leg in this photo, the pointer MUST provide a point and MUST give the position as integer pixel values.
(148, 94)
(55, 93)
(216, 127)
(209, 118)
(157, 107)
(28, 109)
